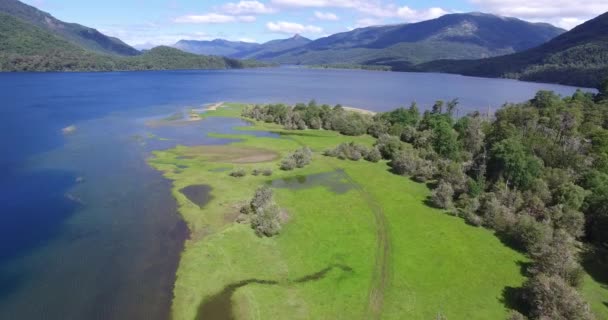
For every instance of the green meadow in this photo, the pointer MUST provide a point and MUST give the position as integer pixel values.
(358, 242)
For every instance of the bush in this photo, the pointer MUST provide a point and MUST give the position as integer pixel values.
(353, 151)
(442, 196)
(262, 213)
(288, 163)
(373, 155)
(558, 257)
(299, 159)
(303, 157)
(266, 221)
(552, 298)
(238, 173)
(389, 146)
(267, 172)
(528, 232)
(405, 163)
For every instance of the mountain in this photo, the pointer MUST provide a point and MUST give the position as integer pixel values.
(452, 36)
(272, 48)
(578, 57)
(79, 35)
(242, 50)
(27, 47)
(218, 47)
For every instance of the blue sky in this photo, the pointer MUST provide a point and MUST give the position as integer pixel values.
(146, 23)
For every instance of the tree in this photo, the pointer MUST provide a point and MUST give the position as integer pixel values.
(551, 298)
(389, 145)
(405, 163)
(445, 140)
(442, 196)
(558, 257)
(603, 91)
(518, 166)
(262, 213)
(437, 107)
(451, 106)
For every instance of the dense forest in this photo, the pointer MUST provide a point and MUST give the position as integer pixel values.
(25, 47)
(535, 172)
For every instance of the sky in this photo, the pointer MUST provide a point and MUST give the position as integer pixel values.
(148, 23)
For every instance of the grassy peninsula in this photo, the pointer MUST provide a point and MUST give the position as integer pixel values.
(405, 257)
(351, 237)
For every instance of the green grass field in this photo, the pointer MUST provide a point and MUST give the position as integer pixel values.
(386, 255)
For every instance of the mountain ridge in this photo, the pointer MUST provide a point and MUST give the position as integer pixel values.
(577, 57)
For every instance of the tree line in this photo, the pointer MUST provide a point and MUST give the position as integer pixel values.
(535, 172)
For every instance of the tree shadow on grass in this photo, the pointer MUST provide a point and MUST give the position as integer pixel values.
(513, 298)
(595, 262)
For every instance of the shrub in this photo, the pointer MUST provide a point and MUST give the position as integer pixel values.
(256, 172)
(302, 157)
(443, 195)
(267, 172)
(528, 232)
(389, 146)
(288, 163)
(552, 298)
(373, 155)
(405, 163)
(238, 173)
(262, 213)
(262, 198)
(299, 159)
(266, 221)
(558, 257)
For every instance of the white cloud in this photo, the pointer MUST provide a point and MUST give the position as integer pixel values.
(247, 7)
(250, 40)
(371, 7)
(411, 15)
(142, 37)
(292, 27)
(328, 16)
(213, 18)
(366, 22)
(563, 13)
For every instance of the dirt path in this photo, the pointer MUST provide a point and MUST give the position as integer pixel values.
(381, 272)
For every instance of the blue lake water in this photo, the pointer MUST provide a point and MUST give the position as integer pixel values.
(87, 229)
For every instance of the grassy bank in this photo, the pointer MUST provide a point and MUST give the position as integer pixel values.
(397, 256)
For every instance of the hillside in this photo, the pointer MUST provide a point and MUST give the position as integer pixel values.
(25, 47)
(79, 35)
(453, 36)
(272, 48)
(218, 47)
(243, 50)
(578, 57)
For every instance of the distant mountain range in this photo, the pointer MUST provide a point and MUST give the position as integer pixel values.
(452, 36)
(33, 40)
(239, 49)
(578, 57)
(474, 44)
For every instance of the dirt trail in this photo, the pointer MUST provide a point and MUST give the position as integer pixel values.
(381, 272)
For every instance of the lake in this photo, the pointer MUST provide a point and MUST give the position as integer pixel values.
(87, 229)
